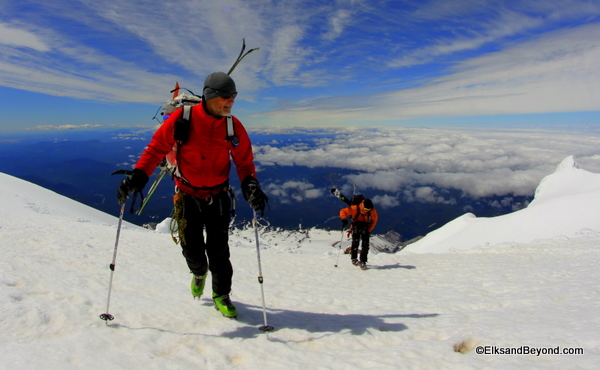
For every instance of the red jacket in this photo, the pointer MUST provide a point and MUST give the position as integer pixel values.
(204, 161)
(358, 214)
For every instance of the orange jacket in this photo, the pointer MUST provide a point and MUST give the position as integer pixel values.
(358, 214)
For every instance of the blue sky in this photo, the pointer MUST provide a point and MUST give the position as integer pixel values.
(321, 63)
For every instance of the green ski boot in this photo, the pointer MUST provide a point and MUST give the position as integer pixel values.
(197, 285)
(224, 305)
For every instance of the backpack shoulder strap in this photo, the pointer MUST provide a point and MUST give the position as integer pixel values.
(187, 109)
(181, 132)
(231, 132)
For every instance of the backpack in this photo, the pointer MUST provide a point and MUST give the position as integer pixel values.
(356, 199)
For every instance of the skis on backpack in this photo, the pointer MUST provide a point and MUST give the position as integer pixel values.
(164, 170)
(241, 56)
(355, 200)
(338, 194)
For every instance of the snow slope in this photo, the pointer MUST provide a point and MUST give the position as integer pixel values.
(410, 310)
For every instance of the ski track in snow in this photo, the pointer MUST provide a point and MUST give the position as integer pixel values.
(408, 310)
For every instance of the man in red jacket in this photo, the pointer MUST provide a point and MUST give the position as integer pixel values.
(364, 218)
(203, 162)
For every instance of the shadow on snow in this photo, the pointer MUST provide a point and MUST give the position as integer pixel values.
(312, 322)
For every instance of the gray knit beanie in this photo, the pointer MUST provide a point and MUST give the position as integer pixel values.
(217, 81)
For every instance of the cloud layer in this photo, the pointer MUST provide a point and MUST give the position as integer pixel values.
(414, 164)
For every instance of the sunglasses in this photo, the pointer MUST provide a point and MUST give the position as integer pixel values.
(225, 94)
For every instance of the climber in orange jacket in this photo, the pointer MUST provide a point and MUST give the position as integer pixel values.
(364, 218)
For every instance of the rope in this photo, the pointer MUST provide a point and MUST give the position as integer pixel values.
(178, 222)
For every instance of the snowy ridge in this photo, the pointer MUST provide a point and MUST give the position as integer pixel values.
(566, 202)
(409, 310)
(17, 194)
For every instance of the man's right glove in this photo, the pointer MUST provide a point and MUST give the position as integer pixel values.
(131, 184)
(253, 194)
(344, 222)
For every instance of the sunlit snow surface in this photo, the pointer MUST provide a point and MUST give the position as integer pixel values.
(527, 280)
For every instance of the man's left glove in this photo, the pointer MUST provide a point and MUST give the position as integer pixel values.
(131, 184)
(253, 194)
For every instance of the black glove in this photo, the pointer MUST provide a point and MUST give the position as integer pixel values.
(344, 223)
(253, 194)
(134, 182)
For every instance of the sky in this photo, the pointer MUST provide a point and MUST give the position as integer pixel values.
(466, 288)
(320, 63)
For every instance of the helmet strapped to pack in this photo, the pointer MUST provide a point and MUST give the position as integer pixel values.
(178, 101)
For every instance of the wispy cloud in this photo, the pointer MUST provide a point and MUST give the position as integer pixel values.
(553, 73)
(338, 21)
(21, 38)
(483, 57)
(505, 25)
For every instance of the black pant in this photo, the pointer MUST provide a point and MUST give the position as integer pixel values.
(360, 233)
(212, 215)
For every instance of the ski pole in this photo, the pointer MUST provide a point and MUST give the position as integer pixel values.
(339, 249)
(107, 316)
(265, 327)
